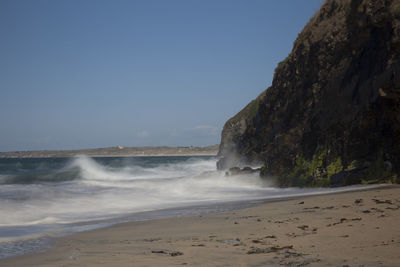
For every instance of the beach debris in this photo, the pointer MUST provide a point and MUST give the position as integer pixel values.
(342, 220)
(198, 245)
(311, 208)
(175, 253)
(377, 201)
(329, 208)
(358, 201)
(247, 217)
(366, 211)
(291, 258)
(268, 250)
(270, 236)
(258, 251)
(290, 254)
(236, 222)
(300, 203)
(303, 227)
(159, 251)
(292, 235)
(171, 253)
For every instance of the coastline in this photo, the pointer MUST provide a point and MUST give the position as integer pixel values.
(350, 228)
(160, 151)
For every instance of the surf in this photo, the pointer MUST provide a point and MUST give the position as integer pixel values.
(42, 197)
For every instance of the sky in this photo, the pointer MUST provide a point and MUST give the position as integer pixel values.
(100, 73)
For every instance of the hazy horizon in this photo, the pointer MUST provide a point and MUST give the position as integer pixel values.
(117, 146)
(94, 74)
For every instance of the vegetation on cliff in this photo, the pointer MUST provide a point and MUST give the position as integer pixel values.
(332, 113)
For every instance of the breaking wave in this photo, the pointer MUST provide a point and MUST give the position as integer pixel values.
(40, 194)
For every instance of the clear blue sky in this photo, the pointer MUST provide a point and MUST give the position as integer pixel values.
(92, 73)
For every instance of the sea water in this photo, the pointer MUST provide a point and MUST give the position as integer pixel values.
(47, 197)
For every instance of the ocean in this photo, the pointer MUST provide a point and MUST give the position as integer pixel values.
(43, 198)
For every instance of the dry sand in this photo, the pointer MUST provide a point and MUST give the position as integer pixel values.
(347, 229)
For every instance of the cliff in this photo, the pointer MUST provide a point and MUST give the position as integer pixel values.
(332, 113)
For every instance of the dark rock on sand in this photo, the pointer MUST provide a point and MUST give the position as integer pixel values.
(175, 253)
(243, 171)
(358, 201)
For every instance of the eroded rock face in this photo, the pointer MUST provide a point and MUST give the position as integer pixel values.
(334, 103)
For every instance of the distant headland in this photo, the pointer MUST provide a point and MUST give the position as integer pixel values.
(117, 151)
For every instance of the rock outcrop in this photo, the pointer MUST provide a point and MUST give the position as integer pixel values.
(333, 109)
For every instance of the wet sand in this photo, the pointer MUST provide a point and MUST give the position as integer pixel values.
(346, 229)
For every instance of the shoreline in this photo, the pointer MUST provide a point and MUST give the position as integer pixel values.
(270, 233)
(194, 209)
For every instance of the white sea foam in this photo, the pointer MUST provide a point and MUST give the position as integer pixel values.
(106, 191)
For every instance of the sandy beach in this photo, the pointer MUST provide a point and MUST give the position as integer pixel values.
(345, 229)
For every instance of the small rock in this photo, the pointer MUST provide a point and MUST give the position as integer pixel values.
(303, 227)
(175, 253)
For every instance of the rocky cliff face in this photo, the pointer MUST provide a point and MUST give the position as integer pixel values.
(332, 113)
